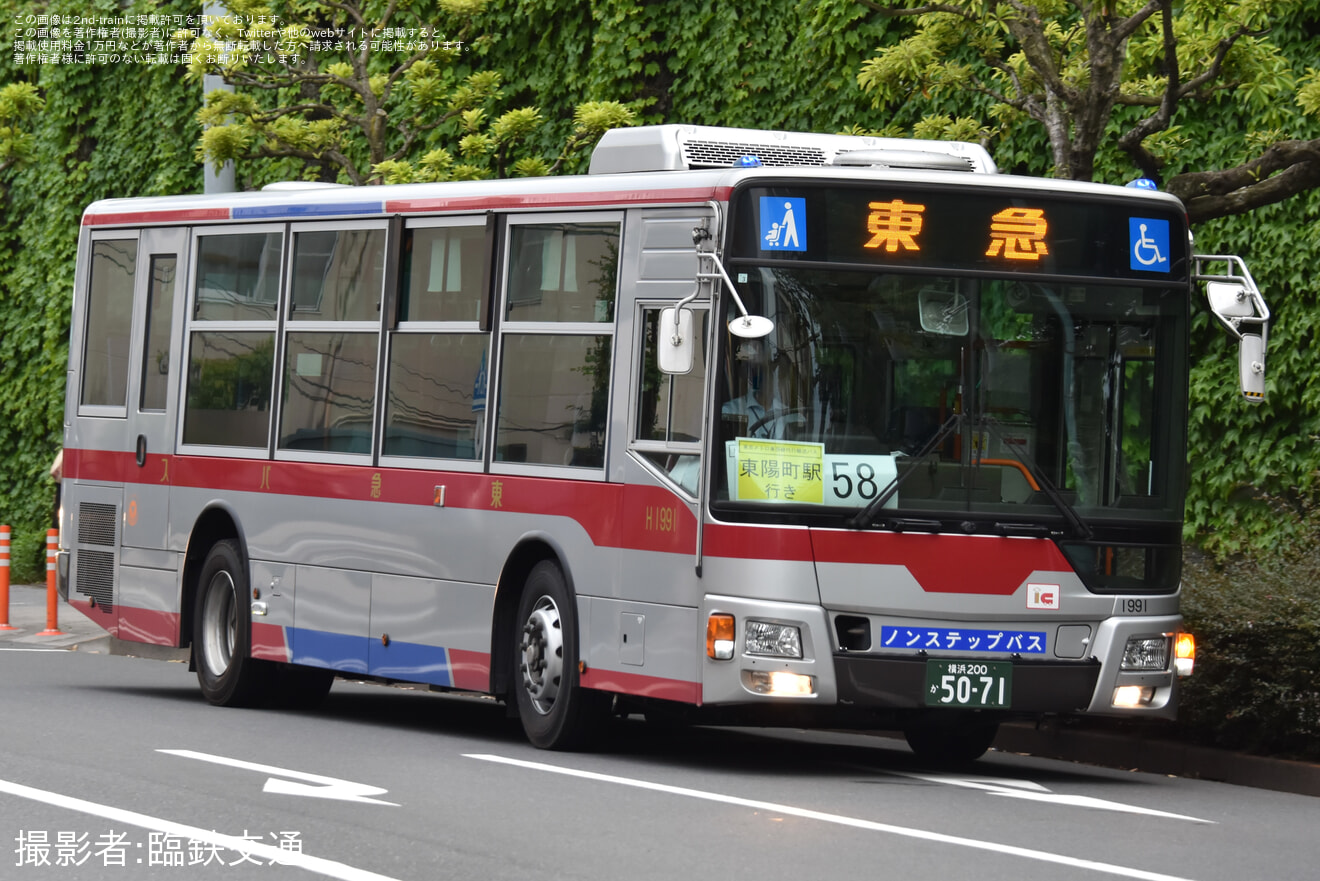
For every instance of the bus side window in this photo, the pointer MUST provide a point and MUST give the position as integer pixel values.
(331, 340)
(669, 407)
(557, 343)
(231, 347)
(435, 401)
(156, 345)
(109, 320)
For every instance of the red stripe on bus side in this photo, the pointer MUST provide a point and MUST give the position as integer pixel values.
(557, 200)
(269, 643)
(150, 626)
(178, 215)
(469, 671)
(655, 521)
(107, 621)
(990, 565)
(757, 542)
(642, 686)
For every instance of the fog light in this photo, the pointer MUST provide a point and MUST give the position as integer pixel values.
(779, 683)
(1184, 654)
(719, 637)
(1130, 696)
(775, 640)
(1146, 653)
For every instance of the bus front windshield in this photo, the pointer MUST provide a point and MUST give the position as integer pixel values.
(968, 398)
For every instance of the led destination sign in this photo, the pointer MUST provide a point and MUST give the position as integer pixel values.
(984, 230)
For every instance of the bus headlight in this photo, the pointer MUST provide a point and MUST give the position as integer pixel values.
(771, 639)
(1133, 696)
(1146, 654)
(779, 683)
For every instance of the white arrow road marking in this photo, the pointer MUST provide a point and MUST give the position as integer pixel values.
(285, 782)
(1025, 789)
(270, 853)
(854, 822)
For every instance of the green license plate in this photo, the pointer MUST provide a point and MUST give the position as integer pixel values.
(969, 684)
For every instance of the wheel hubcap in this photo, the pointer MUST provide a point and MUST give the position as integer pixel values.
(542, 655)
(219, 624)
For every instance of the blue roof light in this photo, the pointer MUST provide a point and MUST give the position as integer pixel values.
(747, 162)
(1142, 183)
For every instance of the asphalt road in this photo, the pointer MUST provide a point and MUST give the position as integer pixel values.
(114, 767)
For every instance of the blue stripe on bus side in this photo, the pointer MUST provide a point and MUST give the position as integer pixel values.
(411, 662)
(333, 209)
(337, 651)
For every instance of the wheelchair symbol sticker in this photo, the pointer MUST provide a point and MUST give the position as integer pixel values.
(779, 224)
(1148, 244)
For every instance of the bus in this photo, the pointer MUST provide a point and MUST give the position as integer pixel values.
(739, 427)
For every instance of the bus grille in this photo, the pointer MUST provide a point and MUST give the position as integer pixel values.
(722, 154)
(96, 524)
(94, 572)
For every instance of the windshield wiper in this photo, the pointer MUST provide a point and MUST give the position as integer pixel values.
(1068, 511)
(863, 518)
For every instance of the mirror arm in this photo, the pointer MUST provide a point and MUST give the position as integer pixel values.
(1236, 273)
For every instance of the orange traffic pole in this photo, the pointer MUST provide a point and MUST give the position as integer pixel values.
(52, 588)
(4, 579)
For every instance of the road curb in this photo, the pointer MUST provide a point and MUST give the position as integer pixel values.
(1159, 756)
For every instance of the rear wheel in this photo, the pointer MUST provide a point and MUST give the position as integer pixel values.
(222, 632)
(556, 711)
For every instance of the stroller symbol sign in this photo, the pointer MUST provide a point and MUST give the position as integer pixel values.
(1148, 244)
(780, 219)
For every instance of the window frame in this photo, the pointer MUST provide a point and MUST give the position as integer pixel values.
(104, 411)
(504, 328)
(394, 326)
(642, 449)
(192, 325)
(287, 327)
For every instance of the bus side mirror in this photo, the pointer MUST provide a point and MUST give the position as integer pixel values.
(1229, 300)
(674, 344)
(1233, 303)
(1251, 367)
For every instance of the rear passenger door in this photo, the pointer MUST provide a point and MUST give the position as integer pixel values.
(153, 387)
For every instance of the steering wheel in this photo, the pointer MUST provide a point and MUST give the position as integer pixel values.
(772, 415)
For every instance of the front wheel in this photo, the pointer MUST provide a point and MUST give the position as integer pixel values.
(951, 739)
(222, 632)
(555, 710)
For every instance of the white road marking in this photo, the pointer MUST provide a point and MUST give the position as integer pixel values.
(266, 852)
(61, 651)
(286, 782)
(1029, 791)
(854, 822)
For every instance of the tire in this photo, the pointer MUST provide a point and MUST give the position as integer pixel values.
(222, 632)
(951, 739)
(555, 710)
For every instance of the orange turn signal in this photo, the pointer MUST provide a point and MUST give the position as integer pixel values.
(719, 637)
(1184, 653)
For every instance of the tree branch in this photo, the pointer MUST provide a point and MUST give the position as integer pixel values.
(891, 12)
(1283, 170)
(1132, 140)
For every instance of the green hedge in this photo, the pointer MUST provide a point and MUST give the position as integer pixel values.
(1257, 627)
